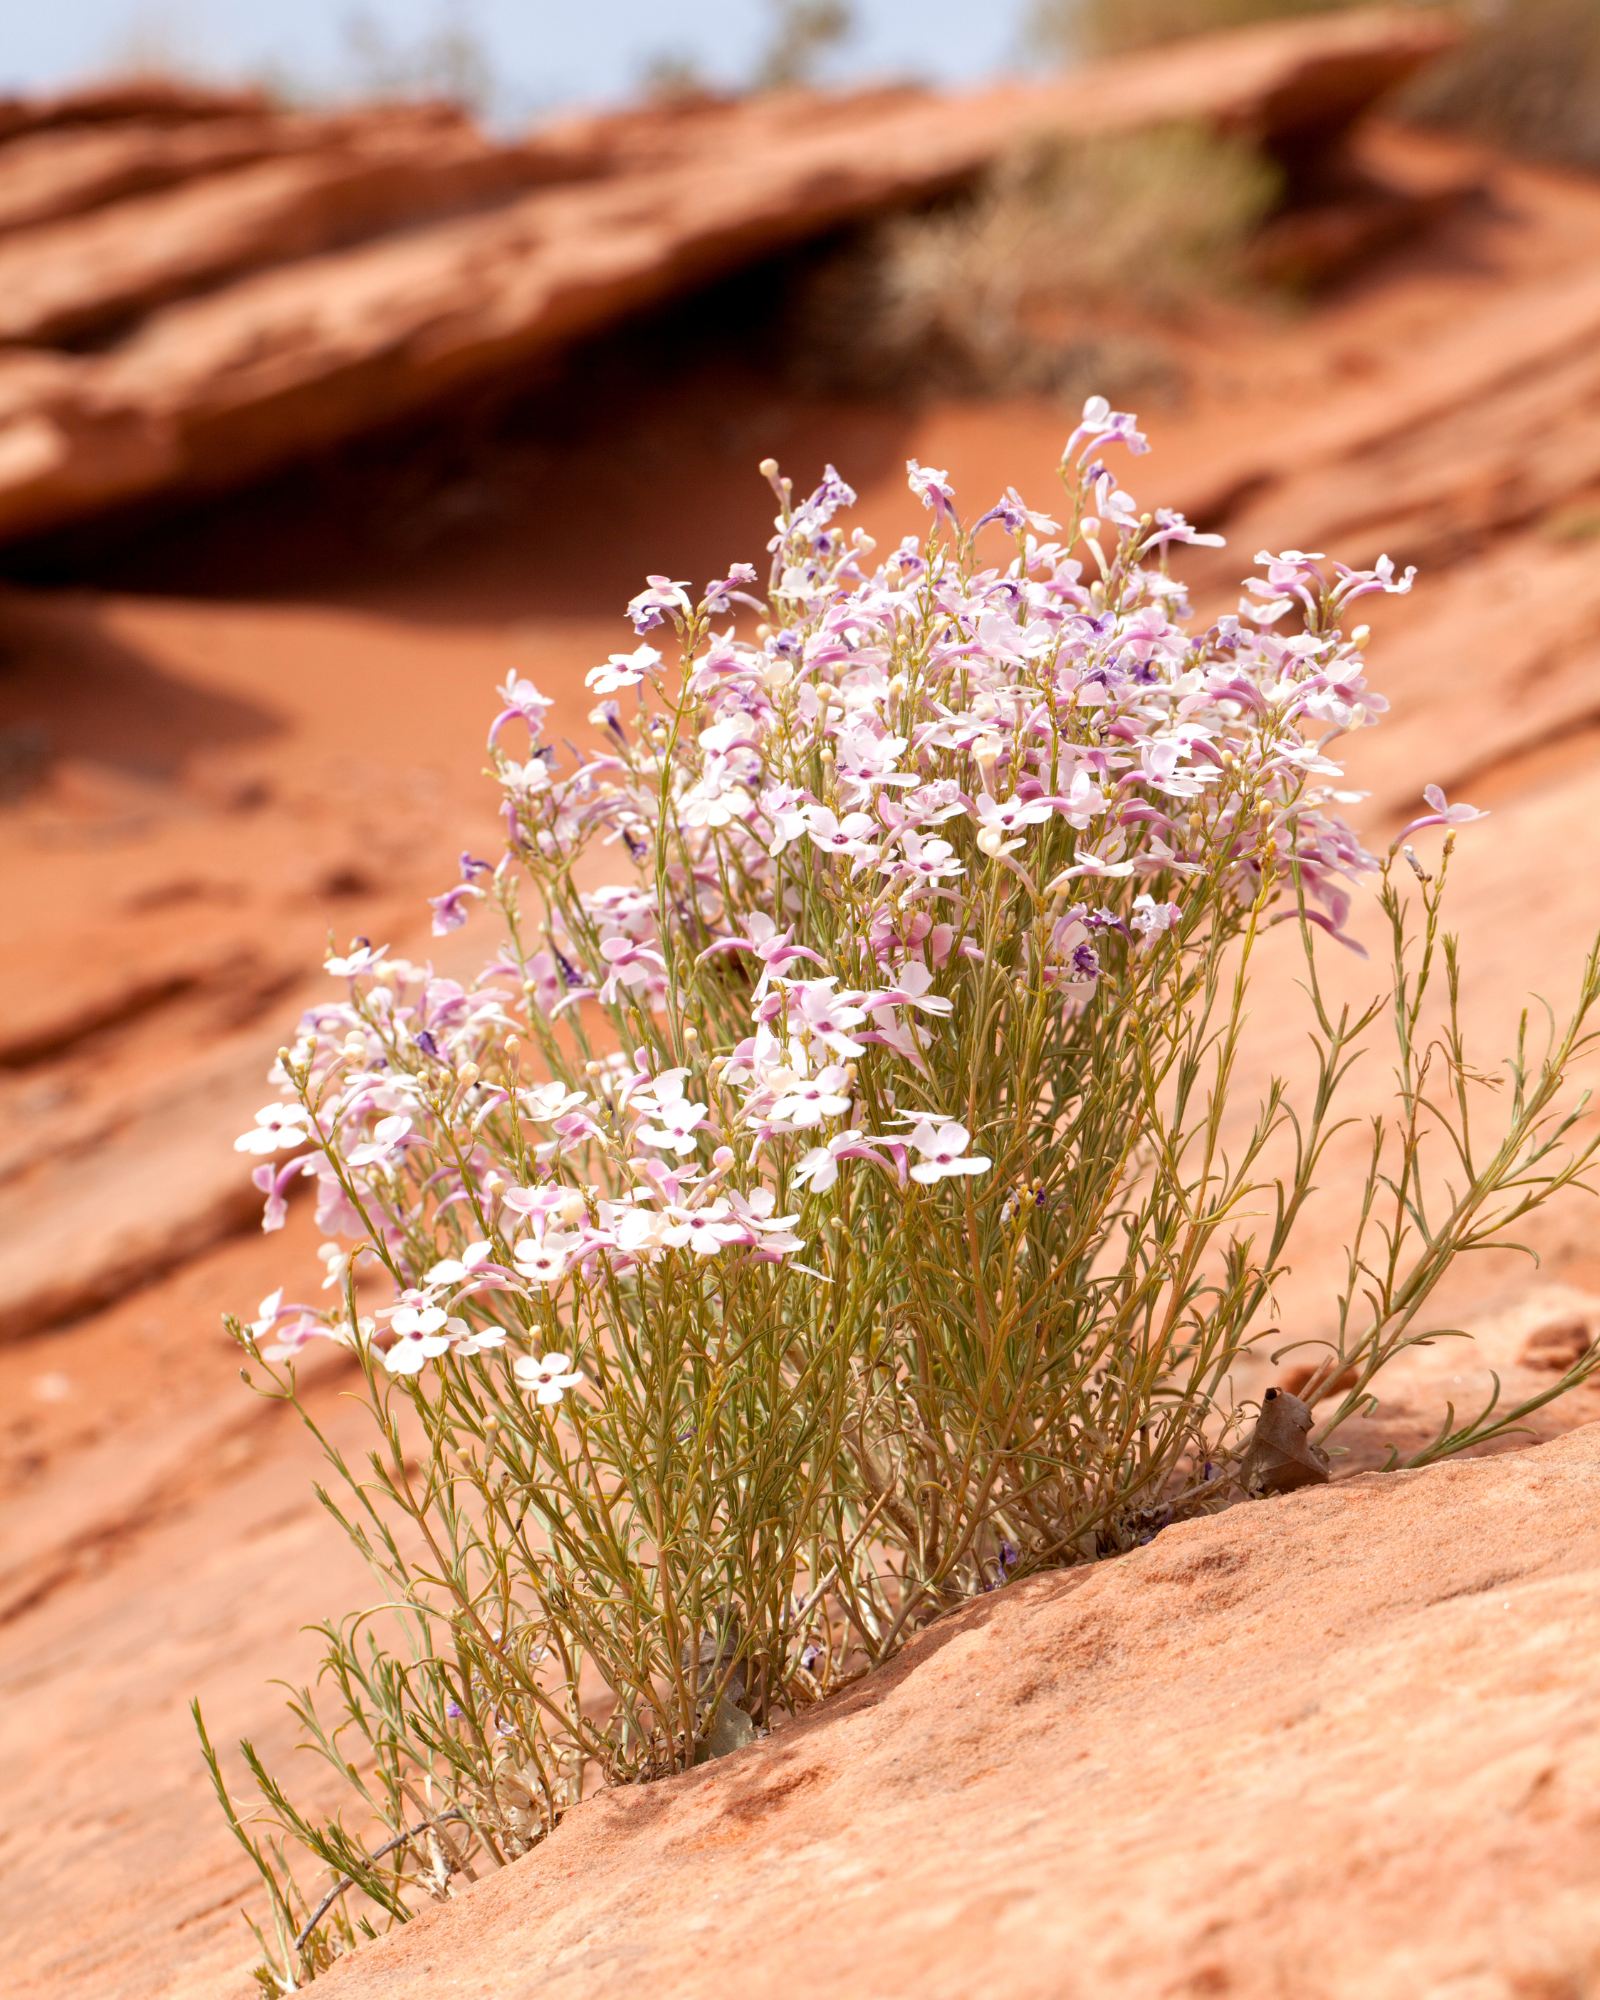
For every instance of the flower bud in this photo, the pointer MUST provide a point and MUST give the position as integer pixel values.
(468, 1074)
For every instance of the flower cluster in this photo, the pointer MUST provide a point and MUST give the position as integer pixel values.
(842, 1209)
(817, 811)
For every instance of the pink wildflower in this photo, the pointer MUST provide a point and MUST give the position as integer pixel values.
(549, 1378)
(944, 1151)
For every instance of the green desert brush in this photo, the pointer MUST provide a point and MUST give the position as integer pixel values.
(1025, 284)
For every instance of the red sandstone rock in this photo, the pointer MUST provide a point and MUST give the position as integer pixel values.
(213, 391)
(142, 1186)
(53, 174)
(74, 278)
(113, 102)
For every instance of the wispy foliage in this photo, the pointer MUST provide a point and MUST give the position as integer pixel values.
(1073, 28)
(803, 33)
(1528, 77)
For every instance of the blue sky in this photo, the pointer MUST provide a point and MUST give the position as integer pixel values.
(543, 52)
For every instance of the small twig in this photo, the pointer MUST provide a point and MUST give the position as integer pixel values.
(349, 1881)
(816, 1597)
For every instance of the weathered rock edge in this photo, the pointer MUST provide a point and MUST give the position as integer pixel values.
(1344, 1743)
(306, 338)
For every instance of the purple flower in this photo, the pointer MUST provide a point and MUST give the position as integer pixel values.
(273, 1182)
(522, 701)
(1102, 424)
(1357, 583)
(662, 595)
(1172, 527)
(720, 596)
(1440, 814)
(450, 909)
(944, 1152)
(1153, 920)
(1014, 514)
(933, 489)
(623, 670)
(631, 966)
(809, 521)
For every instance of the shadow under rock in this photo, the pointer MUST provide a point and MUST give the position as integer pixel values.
(550, 493)
(68, 686)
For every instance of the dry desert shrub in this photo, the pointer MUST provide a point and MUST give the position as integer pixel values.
(1528, 78)
(1108, 27)
(1015, 287)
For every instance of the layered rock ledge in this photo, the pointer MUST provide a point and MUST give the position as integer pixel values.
(195, 292)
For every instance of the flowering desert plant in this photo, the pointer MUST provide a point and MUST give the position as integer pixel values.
(849, 1208)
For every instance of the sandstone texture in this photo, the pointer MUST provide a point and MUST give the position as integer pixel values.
(1340, 1743)
(256, 289)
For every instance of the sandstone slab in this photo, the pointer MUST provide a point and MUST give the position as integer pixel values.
(1342, 1743)
(75, 278)
(116, 100)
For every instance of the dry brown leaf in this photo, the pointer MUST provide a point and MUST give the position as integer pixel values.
(1280, 1455)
